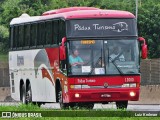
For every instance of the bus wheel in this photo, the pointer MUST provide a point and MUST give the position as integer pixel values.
(60, 100)
(89, 106)
(86, 105)
(24, 94)
(29, 94)
(121, 104)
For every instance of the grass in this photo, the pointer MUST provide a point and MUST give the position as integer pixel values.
(3, 57)
(33, 108)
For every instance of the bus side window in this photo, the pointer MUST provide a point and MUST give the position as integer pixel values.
(55, 31)
(15, 37)
(33, 39)
(41, 34)
(21, 36)
(12, 29)
(62, 31)
(26, 35)
(48, 33)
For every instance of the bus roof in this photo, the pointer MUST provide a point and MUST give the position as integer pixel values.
(74, 13)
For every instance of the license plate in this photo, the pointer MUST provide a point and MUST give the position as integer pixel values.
(106, 95)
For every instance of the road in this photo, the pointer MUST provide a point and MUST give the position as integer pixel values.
(132, 107)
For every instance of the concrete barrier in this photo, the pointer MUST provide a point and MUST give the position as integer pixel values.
(149, 94)
(4, 93)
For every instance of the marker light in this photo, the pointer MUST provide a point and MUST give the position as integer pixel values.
(132, 94)
(129, 85)
(79, 86)
(77, 95)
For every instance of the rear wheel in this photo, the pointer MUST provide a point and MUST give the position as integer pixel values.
(23, 99)
(29, 94)
(26, 94)
(122, 104)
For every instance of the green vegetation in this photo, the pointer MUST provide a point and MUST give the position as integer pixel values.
(148, 16)
(3, 57)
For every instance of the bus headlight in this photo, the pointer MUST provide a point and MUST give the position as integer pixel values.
(77, 95)
(129, 85)
(132, 94)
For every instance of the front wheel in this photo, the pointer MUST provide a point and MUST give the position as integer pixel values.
(87, 105)
(121, 104)
(60, 99)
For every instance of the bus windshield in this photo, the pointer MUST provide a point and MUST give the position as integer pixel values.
(103, 57)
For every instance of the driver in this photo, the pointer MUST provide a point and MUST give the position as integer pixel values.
(117, 54)
(74, 59)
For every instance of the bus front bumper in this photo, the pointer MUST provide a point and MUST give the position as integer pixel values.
(103, 95)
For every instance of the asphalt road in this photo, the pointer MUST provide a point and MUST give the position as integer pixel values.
(131, 107)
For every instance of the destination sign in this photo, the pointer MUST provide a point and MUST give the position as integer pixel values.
(101, 28)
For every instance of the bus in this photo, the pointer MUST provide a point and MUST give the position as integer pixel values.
(104, 45)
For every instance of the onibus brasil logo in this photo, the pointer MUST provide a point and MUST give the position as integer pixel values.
(20, 114)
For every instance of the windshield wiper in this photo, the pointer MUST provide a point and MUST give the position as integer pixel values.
(113, 61)
(95, 65)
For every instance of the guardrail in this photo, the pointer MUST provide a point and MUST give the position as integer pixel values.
(150, 72)
(4, 75)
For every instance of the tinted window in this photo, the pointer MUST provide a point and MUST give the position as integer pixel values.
(56, 31)
(15, 37)
(48, 32)
(61, 30)
(26, 35)
(11, 36)
(33, 34)
(41, 33)
(21, 36)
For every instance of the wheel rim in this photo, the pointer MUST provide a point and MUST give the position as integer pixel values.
(28, 96)
(24, 98)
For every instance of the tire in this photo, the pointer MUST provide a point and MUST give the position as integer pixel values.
(23, 94)
(121, 104)
(86, 105)
(28, 94)
(90, 106)
(60, 99)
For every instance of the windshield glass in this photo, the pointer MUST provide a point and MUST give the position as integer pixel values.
(100, 57)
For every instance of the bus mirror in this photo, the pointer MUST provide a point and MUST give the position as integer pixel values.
(62, 52)
(63, 40)
(144, 51)
(63, 49)
(141, 39)
(144, 47)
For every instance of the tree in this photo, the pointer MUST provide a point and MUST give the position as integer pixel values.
(148, 16)
(148, 26)
(4, 36)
